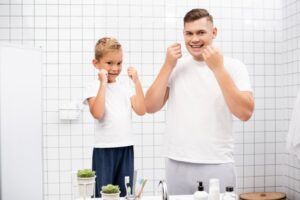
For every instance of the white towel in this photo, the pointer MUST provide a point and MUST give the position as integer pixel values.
(293, 136)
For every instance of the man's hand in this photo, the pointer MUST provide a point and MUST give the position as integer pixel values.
(132, 73)
(102, 76)
(173, 54)
(213, 57)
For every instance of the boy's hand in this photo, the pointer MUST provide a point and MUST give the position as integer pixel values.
(173, 54)
(213, 57)
(132, 73)
(102, 76)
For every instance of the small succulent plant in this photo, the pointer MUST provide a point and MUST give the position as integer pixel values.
(110, 189)
(85, 173)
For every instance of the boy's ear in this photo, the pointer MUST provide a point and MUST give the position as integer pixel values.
(95, 61)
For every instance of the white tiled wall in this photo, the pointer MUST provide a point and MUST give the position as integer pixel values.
(289, 69)
(253, 31)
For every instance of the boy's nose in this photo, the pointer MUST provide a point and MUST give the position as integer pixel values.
(114, 67)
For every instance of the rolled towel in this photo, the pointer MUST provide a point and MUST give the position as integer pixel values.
(293, 136)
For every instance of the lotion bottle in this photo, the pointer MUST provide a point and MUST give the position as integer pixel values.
(200, 194)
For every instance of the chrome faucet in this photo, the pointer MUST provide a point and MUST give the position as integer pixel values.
(165, 195)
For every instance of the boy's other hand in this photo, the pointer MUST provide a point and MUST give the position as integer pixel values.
(102, 76)
(173, 54)
(132, 73)
(213, 57)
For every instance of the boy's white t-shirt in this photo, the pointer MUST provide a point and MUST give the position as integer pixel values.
(114, 130)
(199, 123)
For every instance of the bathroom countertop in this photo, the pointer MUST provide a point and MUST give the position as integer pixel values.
(171, 197)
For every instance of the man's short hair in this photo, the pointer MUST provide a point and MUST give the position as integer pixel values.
(197, 13)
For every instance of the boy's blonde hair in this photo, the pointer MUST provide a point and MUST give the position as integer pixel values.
(105, 45)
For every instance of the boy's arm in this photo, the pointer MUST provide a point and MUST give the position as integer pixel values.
(137, 100)
(97, 104)
(158, 93)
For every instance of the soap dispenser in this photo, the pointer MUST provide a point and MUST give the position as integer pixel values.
(200, 194)
(229, 194)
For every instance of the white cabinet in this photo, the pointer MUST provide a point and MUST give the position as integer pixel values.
(20, 123)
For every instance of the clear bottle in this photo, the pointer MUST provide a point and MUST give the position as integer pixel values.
(200, 194)
(229, 194)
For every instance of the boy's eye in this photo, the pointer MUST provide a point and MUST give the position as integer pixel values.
(109, 63)
(120, 63)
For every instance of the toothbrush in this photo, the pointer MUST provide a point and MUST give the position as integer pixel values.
(127, 186)
(139, 185)
(134, 182)
(129, 190)
(142, 188)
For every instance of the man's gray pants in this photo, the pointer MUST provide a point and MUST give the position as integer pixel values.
(182, 177)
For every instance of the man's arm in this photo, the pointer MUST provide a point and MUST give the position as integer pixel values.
(240, 103)
(158, 93)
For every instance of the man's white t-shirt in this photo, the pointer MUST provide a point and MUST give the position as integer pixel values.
(114, 130)
(199, 123)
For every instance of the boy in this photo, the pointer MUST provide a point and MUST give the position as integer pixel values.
(110, 103)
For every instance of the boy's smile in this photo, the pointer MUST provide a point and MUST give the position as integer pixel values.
(112, 63)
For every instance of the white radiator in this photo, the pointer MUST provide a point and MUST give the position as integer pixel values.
(20, 123)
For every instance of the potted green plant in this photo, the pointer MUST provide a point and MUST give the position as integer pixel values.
(86, 182)
(110, 192)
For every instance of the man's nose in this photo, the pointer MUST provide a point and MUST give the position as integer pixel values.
(195, 38)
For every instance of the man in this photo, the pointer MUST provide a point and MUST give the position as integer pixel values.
(203, 91)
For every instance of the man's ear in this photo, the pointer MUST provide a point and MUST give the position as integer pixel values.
(215, 32)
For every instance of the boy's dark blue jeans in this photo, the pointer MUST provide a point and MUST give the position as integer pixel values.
(112, 165)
